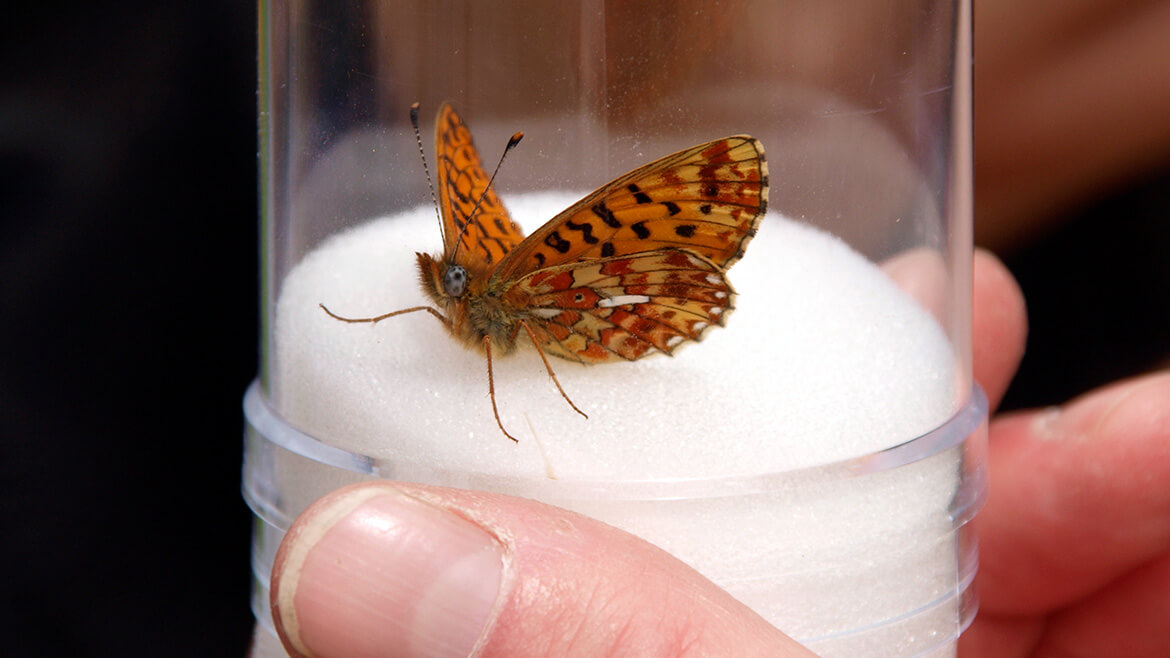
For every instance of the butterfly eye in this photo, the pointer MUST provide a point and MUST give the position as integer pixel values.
(455, 281)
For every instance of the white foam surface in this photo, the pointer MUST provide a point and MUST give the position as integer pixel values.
(823, 359)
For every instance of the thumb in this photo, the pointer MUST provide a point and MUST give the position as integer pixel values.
(392, 569)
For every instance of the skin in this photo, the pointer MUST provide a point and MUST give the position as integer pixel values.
(1075, 545)
(1071, 100)
(1076, 534)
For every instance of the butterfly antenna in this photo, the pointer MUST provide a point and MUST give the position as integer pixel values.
(512, 142)
(426, 170)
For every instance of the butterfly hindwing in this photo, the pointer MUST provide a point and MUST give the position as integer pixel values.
(624, 307)
(634, 268)
(708, 199)
(461, 183)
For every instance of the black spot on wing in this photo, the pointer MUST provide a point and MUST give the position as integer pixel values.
(555, 241)
(639, 195)
(586, 230)
(606, 215)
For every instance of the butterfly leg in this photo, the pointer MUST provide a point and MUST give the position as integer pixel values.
(376, 319)
(487, 349)
(548, 367)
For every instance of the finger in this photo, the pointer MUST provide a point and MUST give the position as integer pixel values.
(999, 326)
(392, 569)
(1127, 618)
(999, 321)
(1001, 636)
(1078, 497)
(363, 572)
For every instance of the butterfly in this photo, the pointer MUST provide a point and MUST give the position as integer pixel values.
(637, 267)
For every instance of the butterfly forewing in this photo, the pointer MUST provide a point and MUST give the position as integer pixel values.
(708, 199)
(489, 233)
(624, 307)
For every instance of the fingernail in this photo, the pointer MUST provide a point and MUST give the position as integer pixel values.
(383, 573)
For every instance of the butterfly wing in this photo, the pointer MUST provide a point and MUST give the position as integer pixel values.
(484, 235)
(623, 307)
(707, 199)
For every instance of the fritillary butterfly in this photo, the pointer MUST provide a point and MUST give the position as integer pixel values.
(637, 267)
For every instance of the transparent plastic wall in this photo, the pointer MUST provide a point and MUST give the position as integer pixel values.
(818, 453)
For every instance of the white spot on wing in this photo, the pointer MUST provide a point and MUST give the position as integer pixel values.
(546, 313)
(621, 300)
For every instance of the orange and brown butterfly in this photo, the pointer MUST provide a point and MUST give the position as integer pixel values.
(637, 267)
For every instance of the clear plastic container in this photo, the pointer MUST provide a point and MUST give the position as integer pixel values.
(819, 456)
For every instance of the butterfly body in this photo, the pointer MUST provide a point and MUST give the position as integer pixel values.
(479, 311)
(637, 267)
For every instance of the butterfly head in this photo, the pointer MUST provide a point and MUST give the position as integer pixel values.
(443, 281)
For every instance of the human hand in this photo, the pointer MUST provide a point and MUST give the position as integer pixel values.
(395, 569)
(1075, 536)
(398, 569)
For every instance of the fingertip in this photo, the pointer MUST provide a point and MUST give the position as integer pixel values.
(372, 570)
(569, 585)
(305, 532)
(1138, 409)
(999, 319)
(1076, 497)
(999, 325)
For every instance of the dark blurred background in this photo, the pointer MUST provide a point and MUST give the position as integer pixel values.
(129, 292)
(128, 256)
